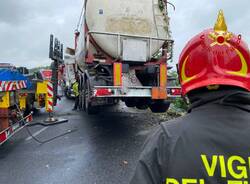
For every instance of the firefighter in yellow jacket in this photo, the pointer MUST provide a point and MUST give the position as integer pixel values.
(76, 93)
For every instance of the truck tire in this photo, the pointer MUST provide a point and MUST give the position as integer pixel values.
(159, 106)
(142, 104)
(88, 108)
(81, 101)
(81, 96)
(130, 103)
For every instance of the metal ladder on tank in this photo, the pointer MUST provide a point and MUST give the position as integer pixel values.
(157, 13)
(158, 25)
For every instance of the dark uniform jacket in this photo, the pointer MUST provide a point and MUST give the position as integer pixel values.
(211, 144)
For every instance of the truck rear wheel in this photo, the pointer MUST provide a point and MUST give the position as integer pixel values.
(81, 96)
(142, 103)
(87, 101)
(159, 106)
(130, 103)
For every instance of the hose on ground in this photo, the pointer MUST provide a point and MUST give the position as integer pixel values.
(48, 140)
(47, 124)
(42, 124)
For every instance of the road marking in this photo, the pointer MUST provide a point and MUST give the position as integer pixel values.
(36, 133)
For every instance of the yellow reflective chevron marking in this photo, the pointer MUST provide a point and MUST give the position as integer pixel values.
(183, 72)
(244, 68)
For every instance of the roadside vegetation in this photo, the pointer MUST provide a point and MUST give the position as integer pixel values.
(179, 104)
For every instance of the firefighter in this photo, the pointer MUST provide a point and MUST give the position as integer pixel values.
(76, 92)
(211, 143)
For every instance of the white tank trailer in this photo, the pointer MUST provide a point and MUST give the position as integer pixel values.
(121, 50)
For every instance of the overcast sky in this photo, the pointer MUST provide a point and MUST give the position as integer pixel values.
(25, 25)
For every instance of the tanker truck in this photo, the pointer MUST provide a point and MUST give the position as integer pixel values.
(121, 51)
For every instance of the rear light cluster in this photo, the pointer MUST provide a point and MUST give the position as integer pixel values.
(109, 92)
(3, 137)
(103, 92)
(175, 91)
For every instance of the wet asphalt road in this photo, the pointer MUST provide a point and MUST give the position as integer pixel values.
(101, 149)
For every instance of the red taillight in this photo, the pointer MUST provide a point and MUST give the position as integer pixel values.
(3, 137)
(176, 91)
(103, 92)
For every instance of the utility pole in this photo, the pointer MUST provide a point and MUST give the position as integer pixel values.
(56, 54)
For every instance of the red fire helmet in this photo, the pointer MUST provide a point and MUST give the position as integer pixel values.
(215, 57)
